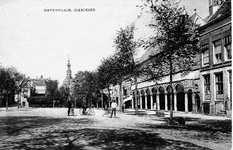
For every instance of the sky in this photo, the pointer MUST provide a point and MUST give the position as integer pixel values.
(38, 42)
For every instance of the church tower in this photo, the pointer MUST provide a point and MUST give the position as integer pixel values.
(68, 79)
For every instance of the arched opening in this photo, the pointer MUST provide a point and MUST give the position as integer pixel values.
(148, 99)
(154, 91)
(180, 98)
(138, 99)
(143, 99)
(169, 92)
(134, 100)
(190, 102)
(161, 98)
(198, 103)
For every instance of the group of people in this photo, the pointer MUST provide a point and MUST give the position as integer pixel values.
(84, 106)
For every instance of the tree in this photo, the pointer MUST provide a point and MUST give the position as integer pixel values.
(177, 40)
(11, 81)
(51, 90)
(126, 48)
(85, 86)
(107, 74)
(63, 95)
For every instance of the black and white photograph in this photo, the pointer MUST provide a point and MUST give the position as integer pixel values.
(115, 75)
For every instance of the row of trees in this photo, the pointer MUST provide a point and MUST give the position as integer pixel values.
(175, 35)
(11, 83)
(176, 38)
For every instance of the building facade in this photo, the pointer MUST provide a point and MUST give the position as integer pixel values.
(34, 87)
(155, 95)
(208, 87)
(216, 57)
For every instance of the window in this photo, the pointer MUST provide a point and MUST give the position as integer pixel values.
(219, 83)
(125, 92)
(230, 82)
(227, 47)
(217, 52)
(205, 54)
(207, 84)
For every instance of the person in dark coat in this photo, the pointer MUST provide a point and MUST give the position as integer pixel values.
(69, 106)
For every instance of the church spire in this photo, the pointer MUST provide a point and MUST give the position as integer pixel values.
(68, 65)
(68, 73)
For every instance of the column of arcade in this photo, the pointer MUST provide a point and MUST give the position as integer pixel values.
(181, 101)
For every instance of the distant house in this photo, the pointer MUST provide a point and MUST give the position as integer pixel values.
(35, 87)
(39, 86)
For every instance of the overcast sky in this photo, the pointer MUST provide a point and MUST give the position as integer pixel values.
(38, 42)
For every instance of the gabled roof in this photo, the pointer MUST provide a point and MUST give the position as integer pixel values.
(148, 53)
(197, 19)
(224, 10)
(38, 82)
(152, 50)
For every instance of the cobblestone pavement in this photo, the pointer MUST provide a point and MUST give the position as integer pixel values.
(51, 128)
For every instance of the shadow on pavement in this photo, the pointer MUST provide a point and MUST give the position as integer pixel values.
(197, 124)
(78, 133)
(197, 129)
(13, 125)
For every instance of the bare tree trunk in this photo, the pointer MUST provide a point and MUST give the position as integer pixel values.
(120, 96)
(109, 96)
(171, 92)
(18, 101)
(102, 97)
(7, 97)
(136, 95)
(53, 102)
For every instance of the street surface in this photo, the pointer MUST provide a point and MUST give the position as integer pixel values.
(51, 128)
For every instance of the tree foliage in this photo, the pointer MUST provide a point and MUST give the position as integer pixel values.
(86, 86)
(63, 95)
(126, 50)
(11, 81)
(176, 37)
(51, 88)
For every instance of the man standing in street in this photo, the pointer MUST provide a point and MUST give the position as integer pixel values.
(69, 106)
(113, 105)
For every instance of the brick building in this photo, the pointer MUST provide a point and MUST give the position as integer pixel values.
(215, 71)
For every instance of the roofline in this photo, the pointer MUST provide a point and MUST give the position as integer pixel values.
(213, 21)
(215, 28)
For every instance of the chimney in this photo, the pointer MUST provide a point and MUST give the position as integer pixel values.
(41, 77)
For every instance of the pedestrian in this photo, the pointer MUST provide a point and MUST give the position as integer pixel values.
(123, 107)
(69, 107)
(113, 105)
(84, 106)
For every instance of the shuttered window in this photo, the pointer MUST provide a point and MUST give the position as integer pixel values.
(227, 47)
(205, 54)
(207, 84)
(217, 51)
(219, 83)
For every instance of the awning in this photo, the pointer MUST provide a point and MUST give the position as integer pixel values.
(128, 99)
